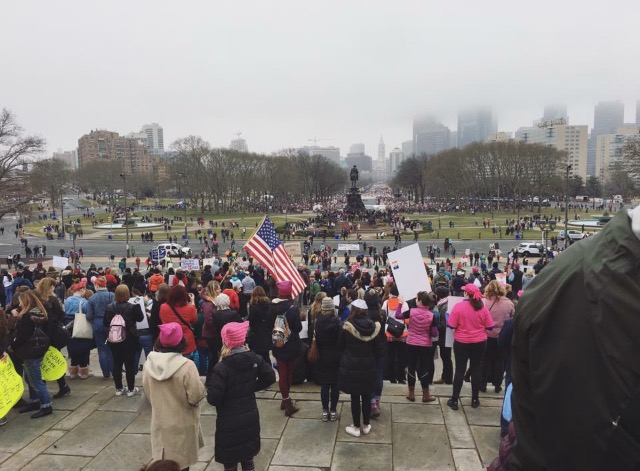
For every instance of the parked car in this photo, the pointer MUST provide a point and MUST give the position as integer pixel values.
(174, 250)
(530, 249)
(573, 235)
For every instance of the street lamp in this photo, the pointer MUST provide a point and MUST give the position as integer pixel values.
(566, 208)
(184, 205)
(546, 227)
(62, 213)
(126, 212)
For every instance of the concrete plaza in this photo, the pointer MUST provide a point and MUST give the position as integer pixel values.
(91, 429)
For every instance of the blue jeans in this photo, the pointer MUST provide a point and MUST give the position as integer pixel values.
(38, 391)
(100, 333)
(145, 341)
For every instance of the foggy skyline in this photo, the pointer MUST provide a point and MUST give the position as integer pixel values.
(284, 72)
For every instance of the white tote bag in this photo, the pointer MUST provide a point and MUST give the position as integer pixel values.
(82, 328)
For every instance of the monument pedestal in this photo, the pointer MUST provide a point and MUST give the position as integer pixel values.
(354, 202)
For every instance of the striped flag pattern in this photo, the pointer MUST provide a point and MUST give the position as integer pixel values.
(265, 247)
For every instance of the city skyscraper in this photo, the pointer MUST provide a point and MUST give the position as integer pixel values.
(381, 150)
(239, 144)
(608, 116)
(430, 136)
(474, 125)
(155, 138)
(408, 149)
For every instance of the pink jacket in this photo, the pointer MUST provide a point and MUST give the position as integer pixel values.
(420, 320)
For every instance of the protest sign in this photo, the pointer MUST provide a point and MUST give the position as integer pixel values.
(54, 365)
(144, 323)
(502, 278)
(345, 247)
(189, 264)
(11, 386)
(451, 301)
(409, 272)
(60, 262)
(293, 248)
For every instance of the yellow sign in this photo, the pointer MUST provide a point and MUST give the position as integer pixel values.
(11, 386)
(53, 366)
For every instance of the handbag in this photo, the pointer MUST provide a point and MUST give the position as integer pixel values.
(435, 334)
(59, 335)
(82, 328)
(313, 355)
(395, 327)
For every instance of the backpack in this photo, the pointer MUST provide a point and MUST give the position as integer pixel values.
(315, 289)
(117, 329)
(441, 280)
(280, 333)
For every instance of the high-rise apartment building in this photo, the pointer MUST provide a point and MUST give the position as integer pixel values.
(331, 153)
(239, 144)
(430, 136)
(610, 149)
(475, 125)
(69, 157)
(155, 138)
(130, 152)
(608, 116)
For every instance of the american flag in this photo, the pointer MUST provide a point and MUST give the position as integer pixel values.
(266, 248)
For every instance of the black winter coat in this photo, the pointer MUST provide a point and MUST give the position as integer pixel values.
(327, 331)
(291, 349)
(360, 344)
(131, 314)
(231, 388)
(260, 327)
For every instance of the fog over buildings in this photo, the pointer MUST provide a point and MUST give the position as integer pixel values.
(285, 72)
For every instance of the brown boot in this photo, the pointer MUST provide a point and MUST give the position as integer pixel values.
(73, 372)
(439, 381)
(84, 372)
(411, 395)
(426, 396)
(289, 408)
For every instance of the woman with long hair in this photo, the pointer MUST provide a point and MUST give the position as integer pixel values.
(260, 323)
(372, 299)
(501, 308)
(78, 349)
(326, 330)
(173, 387)
(45, 291)
(314, 310)
(360, 345)
(31, 314)
(471, 320)
(208, 295)
(420, 349)
(124, 351)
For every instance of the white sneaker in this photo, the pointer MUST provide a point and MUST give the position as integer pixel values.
(353, 430)
(132, 392)
(119, 392)
(366, 429)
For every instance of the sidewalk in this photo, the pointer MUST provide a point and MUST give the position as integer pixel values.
(91, 429)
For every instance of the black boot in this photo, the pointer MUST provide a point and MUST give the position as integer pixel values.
(65, 390)
(42, 412)
(30, 407)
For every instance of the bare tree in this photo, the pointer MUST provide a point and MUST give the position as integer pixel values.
(53, 177)
(16, 149)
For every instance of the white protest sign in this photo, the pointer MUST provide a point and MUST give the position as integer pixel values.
(144, 323)
(345, 247)
(293, 248)
(60, 262)
(189, 264)
(409, 272)
(451, 301)
(208, 261)
(502, 278)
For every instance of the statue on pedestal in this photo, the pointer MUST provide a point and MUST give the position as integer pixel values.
(354, 176)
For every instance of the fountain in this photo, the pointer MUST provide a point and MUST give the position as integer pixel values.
(132, 223)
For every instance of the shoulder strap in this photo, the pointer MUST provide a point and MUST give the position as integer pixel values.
(182, 319)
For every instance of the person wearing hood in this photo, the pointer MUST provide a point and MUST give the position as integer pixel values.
(231, 389)
(174, 390)
(360, 344)
(528, 278)
(287, 355)
(326, 330)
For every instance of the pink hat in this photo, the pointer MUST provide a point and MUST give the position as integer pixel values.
(519, 293)
(284, 288)
(235, 333)
(472, 290)
(170, 334)
(475, 269)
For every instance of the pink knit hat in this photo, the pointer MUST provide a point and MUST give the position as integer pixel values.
(235, 333)
(284, 288)
(170, 334)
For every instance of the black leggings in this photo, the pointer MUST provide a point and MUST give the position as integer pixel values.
(124, 353)
(246, 466)
(420, 359)
(366, 408)
(467, 352)
(492, 364)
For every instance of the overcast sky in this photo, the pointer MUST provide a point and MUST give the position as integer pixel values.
(282, 72)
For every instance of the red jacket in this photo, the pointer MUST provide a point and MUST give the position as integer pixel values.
(189, 314)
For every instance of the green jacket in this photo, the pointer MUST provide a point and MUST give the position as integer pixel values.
(576, 352)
